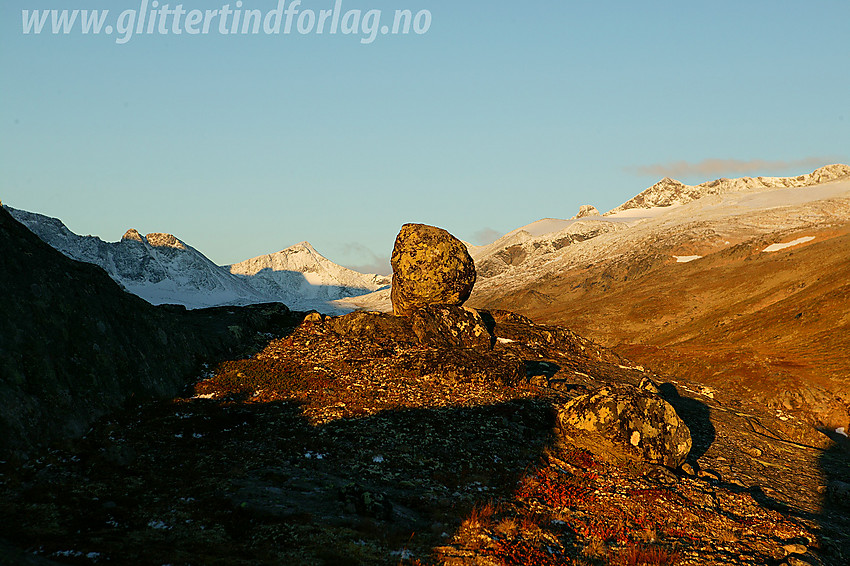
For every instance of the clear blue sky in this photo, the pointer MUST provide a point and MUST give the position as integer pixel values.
(501, 114)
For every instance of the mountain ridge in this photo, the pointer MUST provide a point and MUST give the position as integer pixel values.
(669, 192)
(162, 269)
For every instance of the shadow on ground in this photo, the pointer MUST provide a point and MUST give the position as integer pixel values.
(200, 481)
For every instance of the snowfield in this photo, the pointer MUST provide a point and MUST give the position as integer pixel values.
(797, 242)
(686, 258)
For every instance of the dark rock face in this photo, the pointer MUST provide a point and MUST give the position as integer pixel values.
(74, 345)
(430, 266)
(636, 419)
(451, 326)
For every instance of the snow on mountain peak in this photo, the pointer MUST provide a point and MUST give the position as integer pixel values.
(669, 192)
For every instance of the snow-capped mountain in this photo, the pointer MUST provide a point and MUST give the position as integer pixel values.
(157, 267)
(668, 192)
(301, 276)
(671, 226)
(667, 200)
(162, 269)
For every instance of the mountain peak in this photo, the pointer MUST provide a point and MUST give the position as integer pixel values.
(132, 234)
(586, 210)
(159, 240)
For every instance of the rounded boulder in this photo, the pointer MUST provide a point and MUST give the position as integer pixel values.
(430, 267)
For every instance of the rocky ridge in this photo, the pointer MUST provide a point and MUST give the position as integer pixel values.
(669, 192)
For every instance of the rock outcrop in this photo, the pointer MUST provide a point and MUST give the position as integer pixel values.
(586, 210)
(430, 266)
(636, 419)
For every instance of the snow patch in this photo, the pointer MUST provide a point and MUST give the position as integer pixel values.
(686, 258)
(797, 242)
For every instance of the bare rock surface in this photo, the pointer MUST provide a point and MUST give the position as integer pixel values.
(430, 266)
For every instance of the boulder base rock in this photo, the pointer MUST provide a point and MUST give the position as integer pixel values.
(380, 327)
(451, 326)
(636, 419)
(430, 266)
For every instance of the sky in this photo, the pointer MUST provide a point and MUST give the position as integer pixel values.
(496, 115)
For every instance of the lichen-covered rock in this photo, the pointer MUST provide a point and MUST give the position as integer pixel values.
(636, 419)
(448, 325)
(430, 266)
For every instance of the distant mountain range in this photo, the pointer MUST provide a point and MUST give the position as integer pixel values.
(668, 192)
(162, 269)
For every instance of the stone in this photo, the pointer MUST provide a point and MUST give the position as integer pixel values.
(709, 475)
(648, 385)
(638, 420)
(430, 266)
(451, 326)
(314, 318)
(795, 548)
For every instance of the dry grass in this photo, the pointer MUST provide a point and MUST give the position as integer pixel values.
(640, 555)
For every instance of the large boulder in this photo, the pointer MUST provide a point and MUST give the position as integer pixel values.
(635, 419)
(451, 326)
(430, 266)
